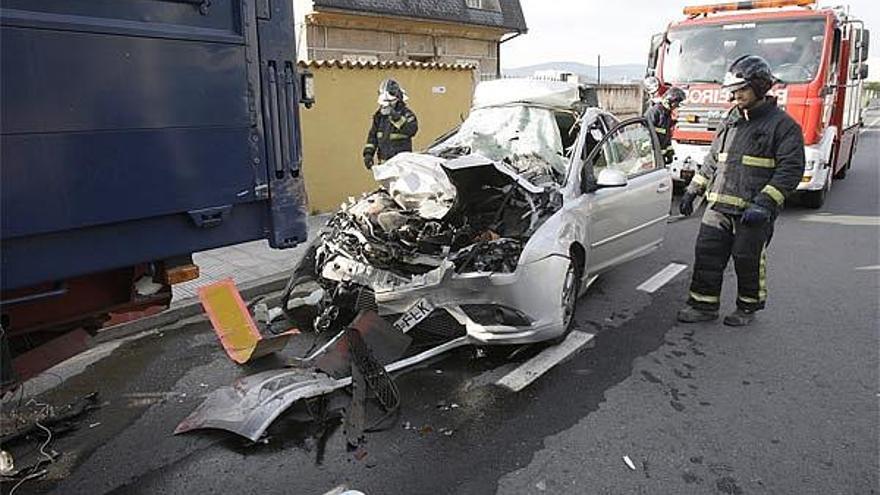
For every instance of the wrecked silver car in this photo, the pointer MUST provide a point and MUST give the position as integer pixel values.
(493, 231)
(488, 237)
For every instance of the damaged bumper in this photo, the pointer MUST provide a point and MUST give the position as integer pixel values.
(519, 307)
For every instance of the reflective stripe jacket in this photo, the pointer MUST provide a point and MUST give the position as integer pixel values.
(757, 157)
(660, 116)
(391, 134)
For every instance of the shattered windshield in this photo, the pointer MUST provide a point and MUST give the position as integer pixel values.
(526, 138)
(702, 54)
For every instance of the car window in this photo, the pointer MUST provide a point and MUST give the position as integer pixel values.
(526, 138)
(567, 130)
(629, 149)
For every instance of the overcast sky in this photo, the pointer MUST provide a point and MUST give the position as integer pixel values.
(620, 30)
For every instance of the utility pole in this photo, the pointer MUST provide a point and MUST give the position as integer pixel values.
(598, 70)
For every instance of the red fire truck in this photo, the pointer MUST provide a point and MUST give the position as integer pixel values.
(818, 55)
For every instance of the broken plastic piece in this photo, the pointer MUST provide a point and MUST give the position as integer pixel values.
(7, 464)
(249, 406)
(234, 326)
(386, 344)
(310, 300)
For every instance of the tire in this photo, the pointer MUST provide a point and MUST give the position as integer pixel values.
(841, 174)
(570, 285)
(815, 199)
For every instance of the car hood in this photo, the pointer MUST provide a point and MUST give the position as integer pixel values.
(432, 185)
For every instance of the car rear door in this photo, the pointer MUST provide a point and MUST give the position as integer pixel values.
(628, 220)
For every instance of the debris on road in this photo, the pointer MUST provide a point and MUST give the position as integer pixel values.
(7, 463)
(17, 424)
(42, 423)
(249, 406)
(629, 462)
(237, 330)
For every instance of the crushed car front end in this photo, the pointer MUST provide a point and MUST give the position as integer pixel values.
(455, 242)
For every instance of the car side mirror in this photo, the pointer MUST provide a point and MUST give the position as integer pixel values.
(610, 178)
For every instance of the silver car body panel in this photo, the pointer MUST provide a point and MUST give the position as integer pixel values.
(252, 403)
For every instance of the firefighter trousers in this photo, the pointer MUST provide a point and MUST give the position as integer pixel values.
(722, 235)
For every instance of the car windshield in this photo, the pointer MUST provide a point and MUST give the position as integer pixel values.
(526, 138)
(702, 54)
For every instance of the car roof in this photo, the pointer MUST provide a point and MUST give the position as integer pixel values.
(554, 94)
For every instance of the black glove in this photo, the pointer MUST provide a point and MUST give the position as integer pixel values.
(368, 161)
(395, 115)
(686, 206)
(756, 215)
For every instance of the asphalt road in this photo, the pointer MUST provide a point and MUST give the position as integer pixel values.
(789, 405)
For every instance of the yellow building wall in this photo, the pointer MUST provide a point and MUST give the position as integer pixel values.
(334, 130)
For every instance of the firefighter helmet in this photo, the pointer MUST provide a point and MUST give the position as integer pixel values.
(749, 70)
(390, 92)
(674, 96)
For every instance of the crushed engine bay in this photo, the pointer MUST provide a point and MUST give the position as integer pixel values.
(488, 215)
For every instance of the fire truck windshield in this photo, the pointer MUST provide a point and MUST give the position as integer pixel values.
(702, 53)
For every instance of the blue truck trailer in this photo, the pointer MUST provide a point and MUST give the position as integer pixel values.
(135, 133)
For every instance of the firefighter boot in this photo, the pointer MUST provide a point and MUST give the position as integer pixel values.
(739, 318)
(690, 314)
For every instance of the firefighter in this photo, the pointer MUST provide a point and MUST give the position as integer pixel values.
(756, 160)
(394, 125)
(660, 116)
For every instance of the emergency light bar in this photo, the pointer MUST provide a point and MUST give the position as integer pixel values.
(745, 5)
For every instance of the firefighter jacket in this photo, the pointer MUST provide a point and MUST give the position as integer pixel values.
(757, 157)
(391, 134)
(660, 116)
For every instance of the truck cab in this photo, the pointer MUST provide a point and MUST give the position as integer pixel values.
(818, 55)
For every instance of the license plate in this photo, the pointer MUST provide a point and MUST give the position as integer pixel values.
(414, 315)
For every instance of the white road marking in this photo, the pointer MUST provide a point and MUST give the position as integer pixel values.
(532, 369)
(873, 126)
(869, 268)
(849, 220)
(661, 278)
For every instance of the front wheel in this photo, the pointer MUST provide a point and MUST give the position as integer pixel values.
(568, 300)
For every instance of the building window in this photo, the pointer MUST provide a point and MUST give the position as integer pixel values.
(484, 5)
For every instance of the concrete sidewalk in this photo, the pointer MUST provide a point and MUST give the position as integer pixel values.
(245, 262)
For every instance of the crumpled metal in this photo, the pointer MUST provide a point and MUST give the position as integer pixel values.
(417, 182)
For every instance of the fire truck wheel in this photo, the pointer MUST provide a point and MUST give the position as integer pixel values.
(841, 174)
(815, 199)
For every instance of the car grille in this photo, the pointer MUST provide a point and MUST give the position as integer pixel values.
(699, 118)
(366, 300)
(434, 330)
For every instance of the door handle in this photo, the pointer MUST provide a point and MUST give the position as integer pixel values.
(662, 188)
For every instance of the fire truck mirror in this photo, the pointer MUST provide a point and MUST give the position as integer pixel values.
(656, 43)
(866, 39)
(860, 72)
(860, 50)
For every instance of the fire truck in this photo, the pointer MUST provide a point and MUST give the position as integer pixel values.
(817, 54)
